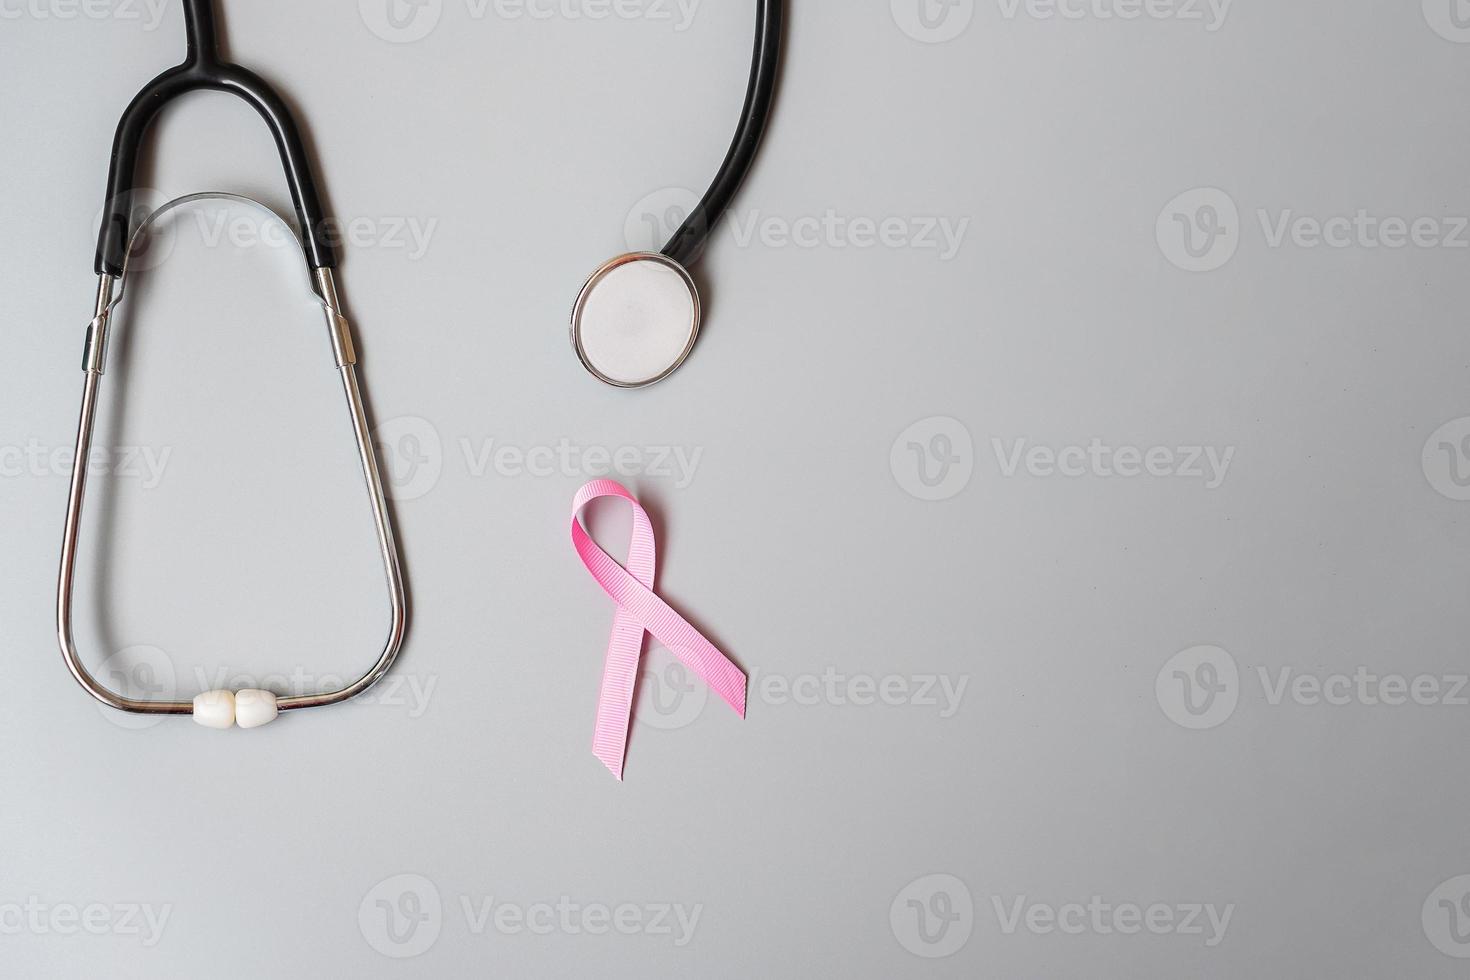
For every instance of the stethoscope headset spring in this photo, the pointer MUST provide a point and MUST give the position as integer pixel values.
(202, 70)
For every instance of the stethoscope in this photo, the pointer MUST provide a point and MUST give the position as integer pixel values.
(635, 321)
(202, 69)
(638, 316)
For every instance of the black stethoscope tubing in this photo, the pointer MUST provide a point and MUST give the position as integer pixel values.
(688, 242)
(203, 70)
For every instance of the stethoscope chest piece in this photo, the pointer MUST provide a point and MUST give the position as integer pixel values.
(636, 320)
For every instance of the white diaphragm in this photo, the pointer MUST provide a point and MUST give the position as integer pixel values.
(636, 319)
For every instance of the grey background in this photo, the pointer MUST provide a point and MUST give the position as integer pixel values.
(1057, 601)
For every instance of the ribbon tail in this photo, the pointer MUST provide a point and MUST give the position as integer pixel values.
(717, 672)
(615, 700)
(693, 650)
(612, 760)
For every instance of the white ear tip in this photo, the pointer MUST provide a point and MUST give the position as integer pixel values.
(255, 708)
(215, 709)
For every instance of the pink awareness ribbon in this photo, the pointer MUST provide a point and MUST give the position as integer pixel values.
(639, 612)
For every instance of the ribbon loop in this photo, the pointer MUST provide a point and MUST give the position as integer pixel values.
(640, 611)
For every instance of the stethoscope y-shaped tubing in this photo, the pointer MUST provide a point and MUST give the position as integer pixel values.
(689, 241)
(203, 70)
